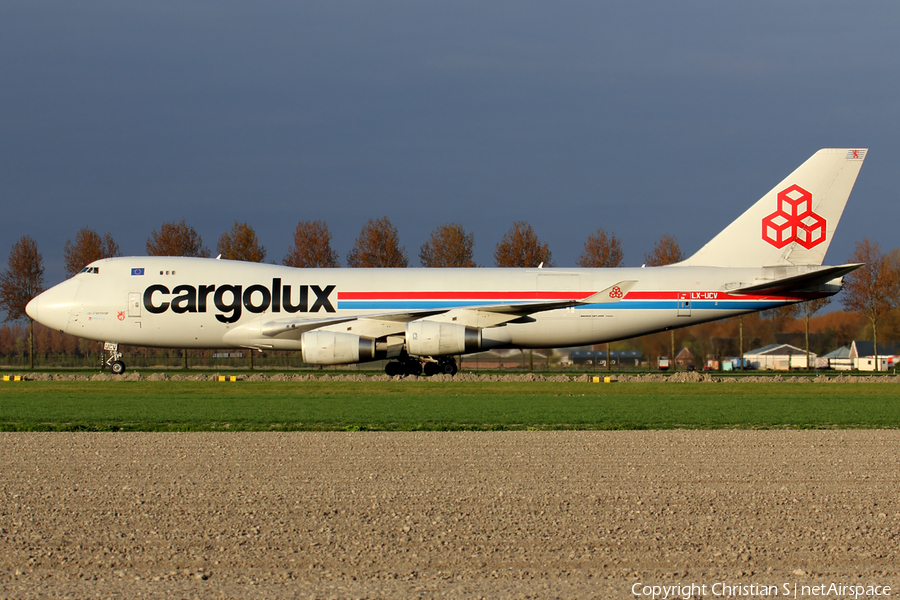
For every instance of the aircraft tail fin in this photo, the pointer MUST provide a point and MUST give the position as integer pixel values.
(793, 224)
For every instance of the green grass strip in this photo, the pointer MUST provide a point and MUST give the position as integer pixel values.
(444, 406)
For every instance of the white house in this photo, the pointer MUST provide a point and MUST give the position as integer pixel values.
(863, 355)
(779, 357)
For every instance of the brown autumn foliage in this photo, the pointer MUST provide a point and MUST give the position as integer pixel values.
(720, 339)
(176, 239)
(378, 245)
(241, 243)
(601, 250)
(47, 342)
(665, 252)
(448, 246)
(783, 316)
(659, 344)
(23, 278)
(838, 320)
(88, 247)
(871, 289)
(807, 310)
(312, 247)
(520, 247)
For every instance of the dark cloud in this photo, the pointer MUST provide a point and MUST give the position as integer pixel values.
(642, 118)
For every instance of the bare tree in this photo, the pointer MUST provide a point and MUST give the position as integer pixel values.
(665, 252)
(448, 246)
(520, 247)
(88, 247)
(601, 250)
(176, 239)
(809, 309)
(871, 289)
(312, 247)
(378, 245)
(22, 280)
(241, 243)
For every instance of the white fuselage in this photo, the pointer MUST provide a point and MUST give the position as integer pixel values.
(207, 303)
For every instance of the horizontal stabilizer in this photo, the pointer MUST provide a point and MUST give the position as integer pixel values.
(798, 282)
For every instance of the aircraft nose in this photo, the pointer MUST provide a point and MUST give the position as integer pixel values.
(32, 309)
(51, 308)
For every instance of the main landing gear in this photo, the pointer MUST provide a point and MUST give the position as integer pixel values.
(445, 365)
(406, 365)
(116, 366)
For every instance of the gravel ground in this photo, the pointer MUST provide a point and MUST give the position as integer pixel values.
(459, 515)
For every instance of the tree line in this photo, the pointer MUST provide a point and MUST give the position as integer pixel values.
(872, 290)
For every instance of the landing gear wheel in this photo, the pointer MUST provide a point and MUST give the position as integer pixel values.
(448, 367)
(413, 367)
(431, 369)
(403, 367)
(115, 364)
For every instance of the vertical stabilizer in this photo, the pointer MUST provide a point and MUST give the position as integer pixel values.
(793, 224)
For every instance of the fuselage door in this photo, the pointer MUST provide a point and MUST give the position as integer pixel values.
(134, 304)
(684, 304)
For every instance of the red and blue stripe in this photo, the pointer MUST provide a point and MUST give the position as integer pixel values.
(665, 300)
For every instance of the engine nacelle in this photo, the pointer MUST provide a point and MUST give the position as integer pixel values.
(332, 348)
(430, 338)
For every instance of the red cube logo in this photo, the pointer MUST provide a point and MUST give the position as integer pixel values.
(794, 220)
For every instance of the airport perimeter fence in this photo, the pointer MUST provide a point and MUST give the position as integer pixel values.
(204, 360)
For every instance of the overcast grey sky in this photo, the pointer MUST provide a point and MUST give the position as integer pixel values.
(643, 118)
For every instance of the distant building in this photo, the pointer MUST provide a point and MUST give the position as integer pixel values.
(684, 358)
(779, 357)
(625, 358)
(839, 359)
(862, 353)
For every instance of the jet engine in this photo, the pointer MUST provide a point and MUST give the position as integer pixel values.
(333, 348)
(430, 338)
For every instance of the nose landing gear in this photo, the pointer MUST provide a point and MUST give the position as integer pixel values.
(116, 366)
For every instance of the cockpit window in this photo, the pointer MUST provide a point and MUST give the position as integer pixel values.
(90, 270)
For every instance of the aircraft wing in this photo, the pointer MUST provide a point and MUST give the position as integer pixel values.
(786, 285)
(294, 328)
(613, 293)
(487, 315)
